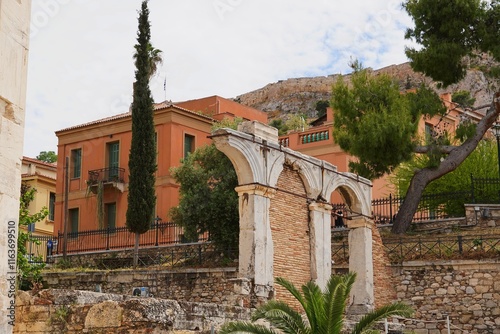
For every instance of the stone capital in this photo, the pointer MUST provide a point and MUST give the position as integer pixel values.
(360, 222)
(256, 189)
(321, 207)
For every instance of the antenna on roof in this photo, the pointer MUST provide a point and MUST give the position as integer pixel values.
(165, 87)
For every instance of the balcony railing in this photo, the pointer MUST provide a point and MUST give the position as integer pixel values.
(314, 137)
(304, 137)
(106, 175)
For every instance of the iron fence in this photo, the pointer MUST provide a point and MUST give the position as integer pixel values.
(37, 248)
(109, 174)
(201, 254)
(434, 206)
(445, 248)
(485, 190)
(160, 233)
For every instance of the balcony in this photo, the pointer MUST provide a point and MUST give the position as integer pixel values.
(314, 137)
(110, 176)
(296, 139)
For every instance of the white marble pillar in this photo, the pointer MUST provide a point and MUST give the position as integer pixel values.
(361, 262)
(14, 38)
(256, 245)
(321, 244)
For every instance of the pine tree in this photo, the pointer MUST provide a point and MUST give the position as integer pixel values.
(142, 157)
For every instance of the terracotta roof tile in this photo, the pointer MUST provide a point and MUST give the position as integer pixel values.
(157, 106)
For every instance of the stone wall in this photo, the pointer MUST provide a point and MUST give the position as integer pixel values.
(289, 225)
(467, 291)
(384, 290)
(71, 312)
(483, 215)
(191, 285)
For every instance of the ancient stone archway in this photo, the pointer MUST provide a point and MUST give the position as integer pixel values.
(261, 165)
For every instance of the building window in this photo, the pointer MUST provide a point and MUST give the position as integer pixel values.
(188, 145)
(113, 160)
(76, 163)
(429, 131)
(52, 206)
(73, 223)
(110, 215)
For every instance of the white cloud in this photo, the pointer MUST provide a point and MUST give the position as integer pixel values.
(81, 67)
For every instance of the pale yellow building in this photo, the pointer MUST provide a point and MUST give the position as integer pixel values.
(41, 176)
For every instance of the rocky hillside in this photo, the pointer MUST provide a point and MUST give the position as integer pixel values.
(301, 94)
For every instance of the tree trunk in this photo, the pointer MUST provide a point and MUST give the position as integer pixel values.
(135, 260)
(424, 176)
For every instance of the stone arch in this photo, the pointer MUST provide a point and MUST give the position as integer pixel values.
(253, 165)
(355, 191)
(259, 162)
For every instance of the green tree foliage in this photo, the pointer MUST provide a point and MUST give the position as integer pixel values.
(280, 125)
(47, 156)
(324, 310)
(321, 106)
(445, 45)
(482, 163)
(297, 122)
(445, 42)
(376, 123)
(463, 98)
(208, 201)
(28, 273)
(155, 58)
(142, 157)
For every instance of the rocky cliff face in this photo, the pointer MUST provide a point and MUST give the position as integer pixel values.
(301, 94)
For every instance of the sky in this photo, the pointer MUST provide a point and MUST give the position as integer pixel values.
(81, 69)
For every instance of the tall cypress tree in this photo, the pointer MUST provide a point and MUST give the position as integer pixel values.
(142, 159)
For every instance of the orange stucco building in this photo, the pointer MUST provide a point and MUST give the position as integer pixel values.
(317, 141)
(98, 152)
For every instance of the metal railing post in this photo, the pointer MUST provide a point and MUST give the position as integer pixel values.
(460, 244)
(107, 238)
(156, 244)
(472, 188)
(390, 209)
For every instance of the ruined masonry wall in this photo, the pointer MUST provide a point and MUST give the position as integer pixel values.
(191, 285)
(71, 312)
(384, 290)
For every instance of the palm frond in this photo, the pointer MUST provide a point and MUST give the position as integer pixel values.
(244, 327)
(337, 294)
(292, 289)
(314, 306)
(396, 309)
(281, 316)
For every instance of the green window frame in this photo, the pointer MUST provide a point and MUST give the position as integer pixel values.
(113, 159)
(74, 215)
(76, 163)
(110, 215)
(52, 206)
(188, 145)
